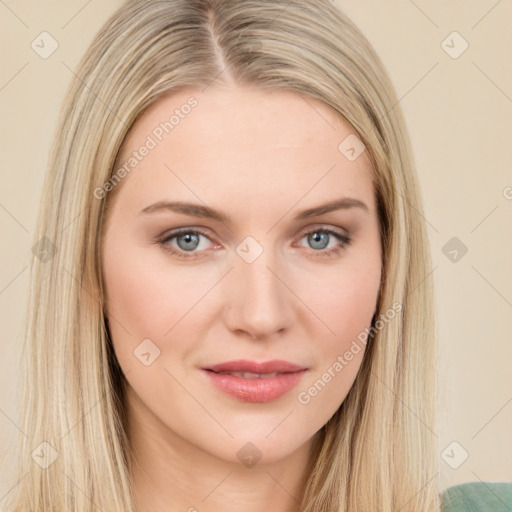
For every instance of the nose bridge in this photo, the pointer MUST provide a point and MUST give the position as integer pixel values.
(261, 301)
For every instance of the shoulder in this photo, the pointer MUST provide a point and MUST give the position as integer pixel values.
(478, 497)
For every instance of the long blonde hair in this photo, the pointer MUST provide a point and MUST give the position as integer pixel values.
(378, 452)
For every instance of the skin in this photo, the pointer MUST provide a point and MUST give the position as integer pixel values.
(259, 157)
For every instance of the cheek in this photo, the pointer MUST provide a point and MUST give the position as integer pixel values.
(145, 300)
(348, 304)
(348, 314)
(345, 303)
(344, 300)
(344, 293)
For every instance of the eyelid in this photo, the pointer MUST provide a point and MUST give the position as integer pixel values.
(329, 228)
(173, 233)
(341, 234)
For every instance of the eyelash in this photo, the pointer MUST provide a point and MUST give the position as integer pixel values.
(332, 252)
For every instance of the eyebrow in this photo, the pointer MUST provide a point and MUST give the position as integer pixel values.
(197, 210)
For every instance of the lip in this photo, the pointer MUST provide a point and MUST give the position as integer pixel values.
(257, 389)
(244, 365)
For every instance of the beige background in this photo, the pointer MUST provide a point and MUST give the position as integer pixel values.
(459, 112)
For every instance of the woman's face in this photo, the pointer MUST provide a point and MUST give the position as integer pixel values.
(235, 316)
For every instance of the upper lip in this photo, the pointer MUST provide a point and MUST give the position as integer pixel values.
(275, 366)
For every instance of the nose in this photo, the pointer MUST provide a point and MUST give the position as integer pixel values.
(260, 302)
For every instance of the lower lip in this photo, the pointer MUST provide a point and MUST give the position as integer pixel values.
(256, 390)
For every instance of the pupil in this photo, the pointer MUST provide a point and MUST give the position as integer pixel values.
(317, 238)
(188, 238)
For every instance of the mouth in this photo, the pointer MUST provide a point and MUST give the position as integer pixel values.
(254, 367)
(249, 375)
(250, 381)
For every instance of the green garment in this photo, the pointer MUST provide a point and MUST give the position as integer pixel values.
(478, 497)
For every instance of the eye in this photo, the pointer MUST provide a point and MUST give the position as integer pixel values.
(319, 240)
(187, 240)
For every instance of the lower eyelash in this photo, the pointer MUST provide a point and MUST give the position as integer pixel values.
(333, 251)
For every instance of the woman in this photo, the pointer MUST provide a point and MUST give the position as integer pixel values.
(230, 306)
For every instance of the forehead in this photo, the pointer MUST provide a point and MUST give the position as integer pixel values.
(246, 143)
